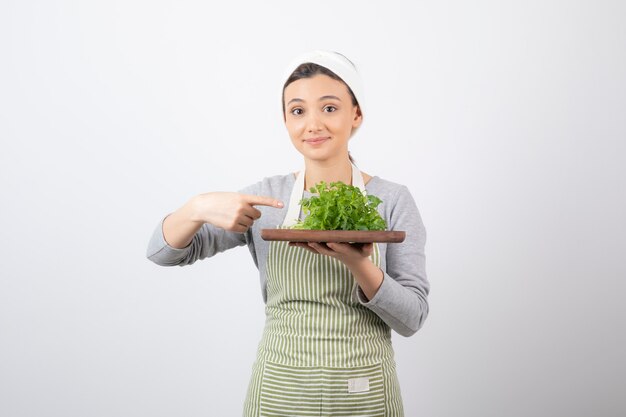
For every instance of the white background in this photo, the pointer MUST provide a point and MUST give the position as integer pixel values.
(506, 120)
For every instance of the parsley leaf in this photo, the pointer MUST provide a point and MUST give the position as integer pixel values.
(340, 207)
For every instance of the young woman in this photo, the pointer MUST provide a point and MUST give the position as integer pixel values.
(330, 308)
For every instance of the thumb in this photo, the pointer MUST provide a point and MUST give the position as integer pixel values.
(260, 200)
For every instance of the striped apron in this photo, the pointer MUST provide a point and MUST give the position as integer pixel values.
(322, 353)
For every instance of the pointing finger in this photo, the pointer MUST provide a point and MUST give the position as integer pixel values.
(263, 200)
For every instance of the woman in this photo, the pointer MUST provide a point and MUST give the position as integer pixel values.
(326, 346)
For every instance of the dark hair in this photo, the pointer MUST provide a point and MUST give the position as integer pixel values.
(309, 70)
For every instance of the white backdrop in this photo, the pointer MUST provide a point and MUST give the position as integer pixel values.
(504, 118)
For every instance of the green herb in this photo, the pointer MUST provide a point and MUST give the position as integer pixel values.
(340, 207)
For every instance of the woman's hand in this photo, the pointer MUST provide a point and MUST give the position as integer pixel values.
(230, 211)
(348, 253)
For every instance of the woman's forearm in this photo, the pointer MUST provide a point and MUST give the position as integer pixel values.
(179, 228)
(368, 276)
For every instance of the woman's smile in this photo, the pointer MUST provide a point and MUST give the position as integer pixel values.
(316, 141)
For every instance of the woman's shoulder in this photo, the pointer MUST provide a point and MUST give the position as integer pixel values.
(274, 185)
(398, 205)
(385, 189)
(279, 180)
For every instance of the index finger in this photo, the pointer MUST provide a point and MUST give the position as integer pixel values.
(260, 200)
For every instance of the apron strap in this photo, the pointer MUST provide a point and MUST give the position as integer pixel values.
(293, 212)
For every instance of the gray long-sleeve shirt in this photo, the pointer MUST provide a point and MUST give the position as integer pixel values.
(401, 300)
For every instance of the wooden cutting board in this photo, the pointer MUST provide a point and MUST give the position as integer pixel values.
(349, 236)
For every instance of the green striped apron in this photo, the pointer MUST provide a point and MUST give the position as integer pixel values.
(322, 353)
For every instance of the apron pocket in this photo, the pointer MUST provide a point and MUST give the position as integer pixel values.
(354, 392)
(298, 391)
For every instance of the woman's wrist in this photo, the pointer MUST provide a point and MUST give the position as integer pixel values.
(368, 276)
(192, 212)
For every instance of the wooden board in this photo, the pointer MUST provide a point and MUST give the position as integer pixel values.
(350, 236)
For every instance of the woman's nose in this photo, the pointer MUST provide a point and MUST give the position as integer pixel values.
(314, 122)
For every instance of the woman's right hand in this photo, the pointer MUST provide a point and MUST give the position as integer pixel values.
(229, 210)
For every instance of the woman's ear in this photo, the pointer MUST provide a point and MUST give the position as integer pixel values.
(358, 118)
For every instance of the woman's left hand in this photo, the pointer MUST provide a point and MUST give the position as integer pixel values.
(348, 253)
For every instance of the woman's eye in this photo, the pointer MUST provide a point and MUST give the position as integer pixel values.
(294, 111)
(331, 107)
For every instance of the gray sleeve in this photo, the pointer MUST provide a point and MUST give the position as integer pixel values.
(208, 241)
(401, 300)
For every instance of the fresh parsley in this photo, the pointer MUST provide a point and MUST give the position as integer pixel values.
(340, 207)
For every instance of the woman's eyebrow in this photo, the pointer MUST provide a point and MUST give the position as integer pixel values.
(320, 99)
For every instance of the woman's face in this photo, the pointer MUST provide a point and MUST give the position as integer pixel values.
(320, 108)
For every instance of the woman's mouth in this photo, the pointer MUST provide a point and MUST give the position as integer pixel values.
(316, 141)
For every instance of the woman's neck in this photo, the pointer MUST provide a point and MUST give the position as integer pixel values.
(327, 172)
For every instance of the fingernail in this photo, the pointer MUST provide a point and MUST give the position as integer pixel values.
(279, 204)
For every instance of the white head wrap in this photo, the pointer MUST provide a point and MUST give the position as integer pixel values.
(338, 64)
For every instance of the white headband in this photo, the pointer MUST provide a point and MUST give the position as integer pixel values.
(338, 64)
